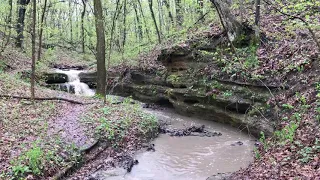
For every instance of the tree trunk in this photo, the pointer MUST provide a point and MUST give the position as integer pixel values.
(82, 25)
(144, 20)
(179, 14)
(160, 15)
(70, 21)
(33, 64)
(41, 28)
(257, 21)
(257, 16)
(101, 64)
(112, 31)
(154, 20)
(20, 22)
(124, 34)
(169, 12)
(233, 28)
(138, 22)
(8, 22)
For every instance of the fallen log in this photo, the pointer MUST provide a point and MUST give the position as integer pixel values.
(46, 99)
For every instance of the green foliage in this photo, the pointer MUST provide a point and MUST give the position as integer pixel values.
(20, 170)
(287, 106)
(173, 78)
(306, 154)
(107, 128)
(2, 66)
(34, 156)
(29, 162)
(215, 85)
(149, 123)
(287, 134)
(227, 93)
(257, 153)
(264, 141)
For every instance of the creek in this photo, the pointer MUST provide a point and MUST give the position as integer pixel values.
(188, 157)
(185, 157)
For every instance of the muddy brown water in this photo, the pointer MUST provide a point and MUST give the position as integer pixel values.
(191, 157)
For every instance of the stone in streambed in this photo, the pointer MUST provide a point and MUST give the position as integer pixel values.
(238, 143)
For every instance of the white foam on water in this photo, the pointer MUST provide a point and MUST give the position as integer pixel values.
(80, 88)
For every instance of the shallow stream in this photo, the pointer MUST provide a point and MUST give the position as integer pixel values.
(190, 157)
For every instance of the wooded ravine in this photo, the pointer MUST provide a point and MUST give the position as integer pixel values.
(160, 89)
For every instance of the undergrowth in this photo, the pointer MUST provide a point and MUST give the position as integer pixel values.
(118, 123)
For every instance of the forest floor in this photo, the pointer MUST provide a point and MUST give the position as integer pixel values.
(50, 137)
(31, 144)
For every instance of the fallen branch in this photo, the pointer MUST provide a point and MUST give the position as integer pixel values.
(46, 99)
(201, 18)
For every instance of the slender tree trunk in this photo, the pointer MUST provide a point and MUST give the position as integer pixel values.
(257, 16)
(124, 28)
(33, 64)
(70, 21)
(112, 31)
(160, 15)
(179, 14)
(41, 29)
(82, 25)
(257, 21)
(8, 22)
(144, 20)
(154, 21)
(20, 22)
(169, 11)
(138, 22)
(101, 64)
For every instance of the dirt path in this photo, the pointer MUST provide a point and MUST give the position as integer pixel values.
(67, 125)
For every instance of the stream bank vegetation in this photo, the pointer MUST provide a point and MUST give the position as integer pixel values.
(276, 48)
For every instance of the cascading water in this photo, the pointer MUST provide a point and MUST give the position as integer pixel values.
(74, 82)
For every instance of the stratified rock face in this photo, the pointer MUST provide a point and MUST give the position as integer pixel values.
(218, 101)
(192, 92)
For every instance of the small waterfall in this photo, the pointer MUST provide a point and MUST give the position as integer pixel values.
(74, 85)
